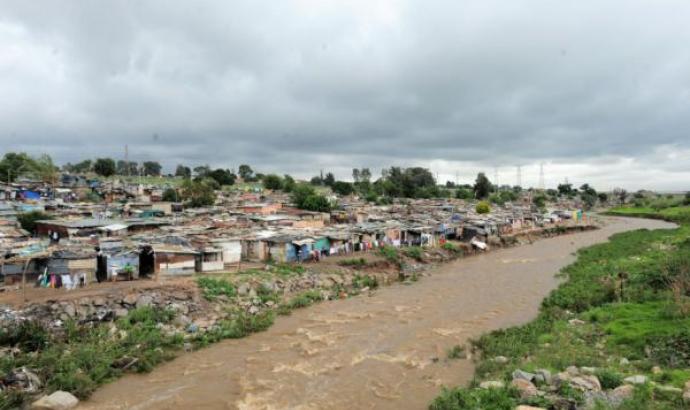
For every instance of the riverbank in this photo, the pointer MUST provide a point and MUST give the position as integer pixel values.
(76, 345)
(613, 335)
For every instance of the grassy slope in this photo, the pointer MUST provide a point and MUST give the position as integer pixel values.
(641, 325)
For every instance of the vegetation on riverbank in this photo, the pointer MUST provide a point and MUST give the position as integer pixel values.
(624, 310)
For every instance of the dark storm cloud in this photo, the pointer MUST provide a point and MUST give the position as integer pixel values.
(591, 88)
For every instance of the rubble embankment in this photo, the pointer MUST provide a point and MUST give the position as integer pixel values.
(75, 344)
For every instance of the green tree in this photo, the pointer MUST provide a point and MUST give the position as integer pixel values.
(198, 193)
(170, 195)
(183, 171)
(288, 183)
(464, 193)
(539, 201)
(482, 186)
(588, 195)
(329, 179)
(566, 190)
(246, 172)
(28, 220)
(104, 167)
(272, 181)
(202, 171)
(14, 164)
(482, 207)
(343, 188)
(127, 167)
(152, 168)
(304, 196)
(80, 167)
(223, 176)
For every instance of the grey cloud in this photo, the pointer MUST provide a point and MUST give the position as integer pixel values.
(300, 85)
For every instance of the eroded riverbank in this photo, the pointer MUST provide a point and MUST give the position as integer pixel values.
(386, 351)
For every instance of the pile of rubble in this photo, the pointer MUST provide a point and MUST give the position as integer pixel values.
(542, 383)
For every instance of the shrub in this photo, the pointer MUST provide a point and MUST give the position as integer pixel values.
(483, 207)
(357, 262)
(609, 379)
(212, 288)
(456, 352)
(461, 399)
(390, 253)
(414, 252)
(365, 281)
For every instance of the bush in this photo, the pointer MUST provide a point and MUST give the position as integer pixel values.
(390, 253)
(357, 262)
(463, 399)
(365, 281)
(456, 352)
(414, 252)
(212, 288)
(483, 207)
(28, 219)
(452, 248)
(609, 379)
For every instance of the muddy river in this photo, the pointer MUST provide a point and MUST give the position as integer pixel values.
(385, 351)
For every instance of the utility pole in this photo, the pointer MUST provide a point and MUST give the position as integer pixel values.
(127, 159)
(519, 176)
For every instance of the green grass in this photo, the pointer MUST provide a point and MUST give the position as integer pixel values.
(355, 262)
(414, 252)
(456, 352)
(212, 288)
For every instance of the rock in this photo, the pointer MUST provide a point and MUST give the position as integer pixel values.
(243, 289)
(253, 310)
(144, 300)
(620, 394)
(586, 383)
(588, 370)
(182, 320)
(70, 310)
(523, 375)
(59, 400)
(668, 389)
(192, 328)
(99, 301)
(130, 299)
(624, 362)
(637, 379)
(524, 407)
(121, 312)
(545, 375)
(501, 359)
(252, 293)
(572, 370)
(525, 387)
(576, 322)
(492, 384)
(656, 370)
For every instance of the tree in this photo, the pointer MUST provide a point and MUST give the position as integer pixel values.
(565, 190)
(127, 167)
(15, 164)
(355, 174)
(483, 207)
(198, 193)
(272, 181)
(288, 183)
(183, 171)
(621, 194)
(540, 201)
(464, 193)
(152, 168)
(343, 188)
(202, 171)
(686, 199)
(80, 167)
(329, 179)
(104, 167)
(316, 180)
(44, 168)
(170, 195)
(304, 196)
(223, 176)
(28, 219)
(246, 172)
(588, 195)
(482, 186)
(603, 197)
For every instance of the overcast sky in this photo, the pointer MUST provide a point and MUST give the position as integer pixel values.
(598, 91)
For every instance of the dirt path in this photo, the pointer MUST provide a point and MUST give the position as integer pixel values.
(383, 352)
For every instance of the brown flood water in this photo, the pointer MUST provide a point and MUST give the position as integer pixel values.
(365, 352)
